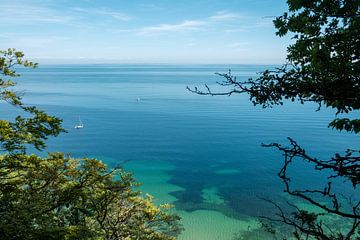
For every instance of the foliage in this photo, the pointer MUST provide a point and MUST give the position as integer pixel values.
(63, 198)
(323, 66)
(58, 197)
(31, 130)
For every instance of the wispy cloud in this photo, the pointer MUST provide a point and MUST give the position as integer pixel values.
(188, 25)
(191, 25)
(225, 16)
(105, 12)
(29, 14)
(26, 14)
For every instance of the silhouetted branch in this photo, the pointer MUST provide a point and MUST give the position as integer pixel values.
(306, 223)
(239, 87)
(346, 166)
(288, 82)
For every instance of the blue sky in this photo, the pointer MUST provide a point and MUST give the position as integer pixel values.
(144, 31)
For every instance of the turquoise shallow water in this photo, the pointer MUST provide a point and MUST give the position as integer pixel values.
(200, 153)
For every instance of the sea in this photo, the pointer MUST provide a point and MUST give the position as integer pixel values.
(202, 154)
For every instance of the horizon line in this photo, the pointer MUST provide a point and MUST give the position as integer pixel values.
(109, 62)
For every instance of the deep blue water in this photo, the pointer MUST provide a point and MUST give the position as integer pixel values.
(199, 135)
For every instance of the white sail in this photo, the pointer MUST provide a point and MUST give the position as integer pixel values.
(79, 125)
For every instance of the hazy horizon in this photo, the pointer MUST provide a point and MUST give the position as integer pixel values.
(45, 62)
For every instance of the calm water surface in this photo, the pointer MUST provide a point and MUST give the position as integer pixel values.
(201, 153)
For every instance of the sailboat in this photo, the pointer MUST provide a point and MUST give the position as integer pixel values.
(79, 125)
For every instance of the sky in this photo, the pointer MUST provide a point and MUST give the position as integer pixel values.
(144, 31)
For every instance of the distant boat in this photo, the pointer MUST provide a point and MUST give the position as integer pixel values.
(79, 125)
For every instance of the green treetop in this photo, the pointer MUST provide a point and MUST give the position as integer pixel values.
(32, 130)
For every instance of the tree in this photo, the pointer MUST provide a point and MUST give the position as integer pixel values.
(59, 197)
(33, 130)
(323, 66)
